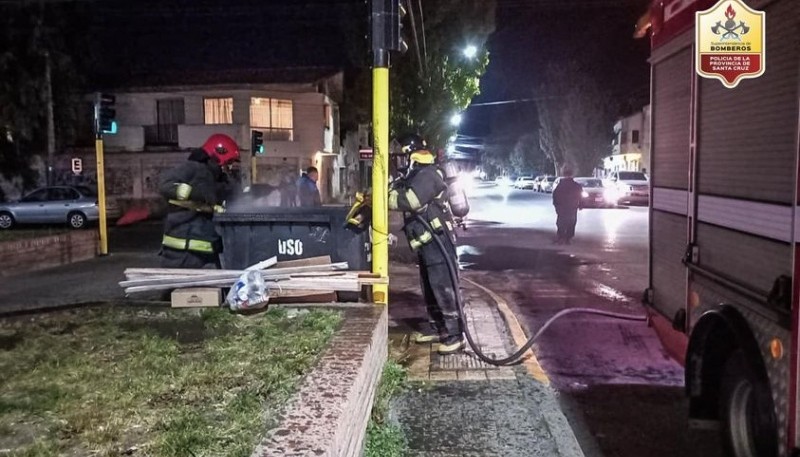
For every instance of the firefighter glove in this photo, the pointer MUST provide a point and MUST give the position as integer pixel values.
(182, 191)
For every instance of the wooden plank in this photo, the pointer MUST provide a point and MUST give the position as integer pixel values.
(301, 296)
(321, 260)
(190, 271)
(264, 264)
(338, 284)
(232, 275)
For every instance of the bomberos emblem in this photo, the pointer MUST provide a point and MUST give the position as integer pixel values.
(729, 42)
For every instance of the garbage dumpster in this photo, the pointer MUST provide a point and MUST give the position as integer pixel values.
(291, 234)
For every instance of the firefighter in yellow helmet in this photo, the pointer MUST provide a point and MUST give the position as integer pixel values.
(422, 190)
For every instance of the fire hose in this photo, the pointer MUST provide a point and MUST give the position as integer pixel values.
(515, 357)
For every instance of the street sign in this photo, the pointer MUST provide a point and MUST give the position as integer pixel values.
(77, 165)
(365, 154)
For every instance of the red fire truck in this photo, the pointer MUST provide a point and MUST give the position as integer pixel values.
(725, 229)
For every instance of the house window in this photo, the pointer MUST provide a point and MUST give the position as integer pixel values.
(272, 116)
(326, 115)
(218, 110)
(635, 137)
(623, 137)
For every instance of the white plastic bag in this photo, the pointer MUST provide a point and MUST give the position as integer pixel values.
(249, 292)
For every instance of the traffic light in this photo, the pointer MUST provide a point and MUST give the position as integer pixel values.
(104, 114)
(257, 142)
(399, 39)
(387, 25)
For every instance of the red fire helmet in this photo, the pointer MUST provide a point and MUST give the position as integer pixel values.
(222, 148)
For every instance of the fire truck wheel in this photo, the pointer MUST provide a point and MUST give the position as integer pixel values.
(747, 411)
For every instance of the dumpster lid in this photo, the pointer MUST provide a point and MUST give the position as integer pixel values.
(319, 214)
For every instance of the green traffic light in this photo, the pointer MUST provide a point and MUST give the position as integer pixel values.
(112, 129)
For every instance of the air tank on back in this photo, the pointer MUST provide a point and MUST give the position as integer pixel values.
(456, 195)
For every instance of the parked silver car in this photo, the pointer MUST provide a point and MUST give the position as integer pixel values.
(73, 205)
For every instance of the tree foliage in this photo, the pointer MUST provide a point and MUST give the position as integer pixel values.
(30, 35)
(575, 115)
(513, 145)
(433, 80)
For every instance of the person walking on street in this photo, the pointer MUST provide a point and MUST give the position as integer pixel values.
(422, 191)
(307, 191)
(567, 201)
(195, 190)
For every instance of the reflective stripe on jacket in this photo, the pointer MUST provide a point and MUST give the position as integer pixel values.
(188, 245)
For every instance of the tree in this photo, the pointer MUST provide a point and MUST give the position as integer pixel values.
(527, 156)
(513, 145)
(433, 80)
(32, 37)
(575, 115)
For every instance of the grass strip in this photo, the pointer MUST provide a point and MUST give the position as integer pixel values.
(113, 381)
(384, 438)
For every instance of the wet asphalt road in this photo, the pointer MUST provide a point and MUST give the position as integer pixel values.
(620, 391)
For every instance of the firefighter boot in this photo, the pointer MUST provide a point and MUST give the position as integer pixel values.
(452, 345)
(424, 338)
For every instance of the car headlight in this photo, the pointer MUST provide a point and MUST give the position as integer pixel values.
(585, 194)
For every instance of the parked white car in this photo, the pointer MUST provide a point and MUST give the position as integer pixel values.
(524, 182)
(632, 186)
(547, 184)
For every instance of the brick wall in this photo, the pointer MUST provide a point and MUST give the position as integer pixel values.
(32, 254)
(328, 415)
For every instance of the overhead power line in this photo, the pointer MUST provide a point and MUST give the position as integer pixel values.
(517, 100)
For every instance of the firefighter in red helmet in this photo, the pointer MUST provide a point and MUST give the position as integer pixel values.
(195, 190)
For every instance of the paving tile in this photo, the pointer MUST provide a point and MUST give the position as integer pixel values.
(471, 375)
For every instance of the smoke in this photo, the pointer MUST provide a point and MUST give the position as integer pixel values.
(261, 196)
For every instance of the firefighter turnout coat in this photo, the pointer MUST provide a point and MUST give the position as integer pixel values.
(194, 192)
(423, 192)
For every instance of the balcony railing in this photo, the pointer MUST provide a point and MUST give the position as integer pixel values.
(161, 135)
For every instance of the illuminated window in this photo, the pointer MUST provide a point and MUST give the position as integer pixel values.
(218, 110)
(273, 117)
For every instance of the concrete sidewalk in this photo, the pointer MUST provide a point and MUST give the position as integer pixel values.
(461, 406)
(90, 281)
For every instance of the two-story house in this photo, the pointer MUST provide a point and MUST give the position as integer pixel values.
(160, 117)
(631, 144)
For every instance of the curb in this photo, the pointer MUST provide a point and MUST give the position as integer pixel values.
(328, 414)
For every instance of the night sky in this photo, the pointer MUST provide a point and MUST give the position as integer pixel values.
(532, 33)
(146, 36)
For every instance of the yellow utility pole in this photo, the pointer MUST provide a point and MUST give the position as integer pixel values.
(103, 122)
(386, 24)
(101, 194)
(380, 178)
